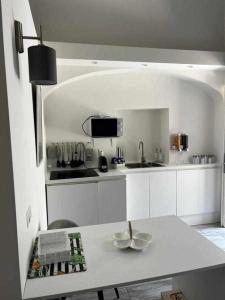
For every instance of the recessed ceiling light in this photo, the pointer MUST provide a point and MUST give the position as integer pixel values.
(94, 62)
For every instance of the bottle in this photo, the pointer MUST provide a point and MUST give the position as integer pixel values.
(156, 154)
(160, 156)
(102, 162)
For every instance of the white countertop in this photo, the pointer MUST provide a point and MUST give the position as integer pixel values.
(169, 167)
(176, 249)
(110, 175)
(119, 173)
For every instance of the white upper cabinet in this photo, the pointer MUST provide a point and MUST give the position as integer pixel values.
(137, 196)
(75, 202)
(162, 193)
(112, 201)
(198, 191)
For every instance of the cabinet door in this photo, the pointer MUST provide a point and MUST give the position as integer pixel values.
(112, 201)
(162, 193)
(75, 202)
(198, 191)
(137, 196)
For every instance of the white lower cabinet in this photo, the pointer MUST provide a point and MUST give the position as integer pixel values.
(193, 195)
(163, 193)
(137, 196)
(75, 202)
(112, 201)
(198, 193)
(88, 203)
(151, 194)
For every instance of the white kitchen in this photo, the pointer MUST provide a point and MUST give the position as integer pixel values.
(112, 126)
(157, 103)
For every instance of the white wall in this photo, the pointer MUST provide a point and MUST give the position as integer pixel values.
(28, 180)
(142, 125)
(191, 95)
(9, 273)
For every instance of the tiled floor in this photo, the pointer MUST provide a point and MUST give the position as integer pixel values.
(152, 290)
(214, 233)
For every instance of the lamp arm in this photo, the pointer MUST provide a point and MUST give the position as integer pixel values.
(19, 37)
(39, 38)
(27, 37)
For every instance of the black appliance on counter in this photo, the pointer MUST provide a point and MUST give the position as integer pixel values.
(102, 162)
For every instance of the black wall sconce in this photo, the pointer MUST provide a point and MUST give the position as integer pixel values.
(42, 59)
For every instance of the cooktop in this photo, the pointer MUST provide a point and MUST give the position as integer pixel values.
(68, 174)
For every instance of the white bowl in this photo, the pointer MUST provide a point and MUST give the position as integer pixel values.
(143, 236)
(119, 236)
(124, 235)
(122, 244)
(140, 241)
(138, 244)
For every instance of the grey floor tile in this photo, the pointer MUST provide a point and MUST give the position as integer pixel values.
(150, 290)
(109, 294)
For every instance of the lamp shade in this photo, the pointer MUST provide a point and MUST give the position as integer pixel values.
(42, 65)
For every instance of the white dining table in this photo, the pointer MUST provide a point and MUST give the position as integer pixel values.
(176, 250)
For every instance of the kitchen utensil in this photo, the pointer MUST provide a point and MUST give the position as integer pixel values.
(72, 152)
(130, 230)
(75, 152)
(75, 162)
(81, 153)
(68, 149)
(63, 163)
(58, 155)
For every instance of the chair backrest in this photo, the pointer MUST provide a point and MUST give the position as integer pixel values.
(58, 224)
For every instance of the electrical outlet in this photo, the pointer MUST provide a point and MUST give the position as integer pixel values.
(28, 216)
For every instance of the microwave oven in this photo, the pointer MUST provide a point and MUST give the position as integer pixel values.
(104, 127)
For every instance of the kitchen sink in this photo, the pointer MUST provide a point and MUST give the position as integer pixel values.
(56, 175)
(143, 165)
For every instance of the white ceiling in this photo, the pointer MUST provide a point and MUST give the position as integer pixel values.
(174, 24)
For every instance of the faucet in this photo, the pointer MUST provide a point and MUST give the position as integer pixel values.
(141, 146)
